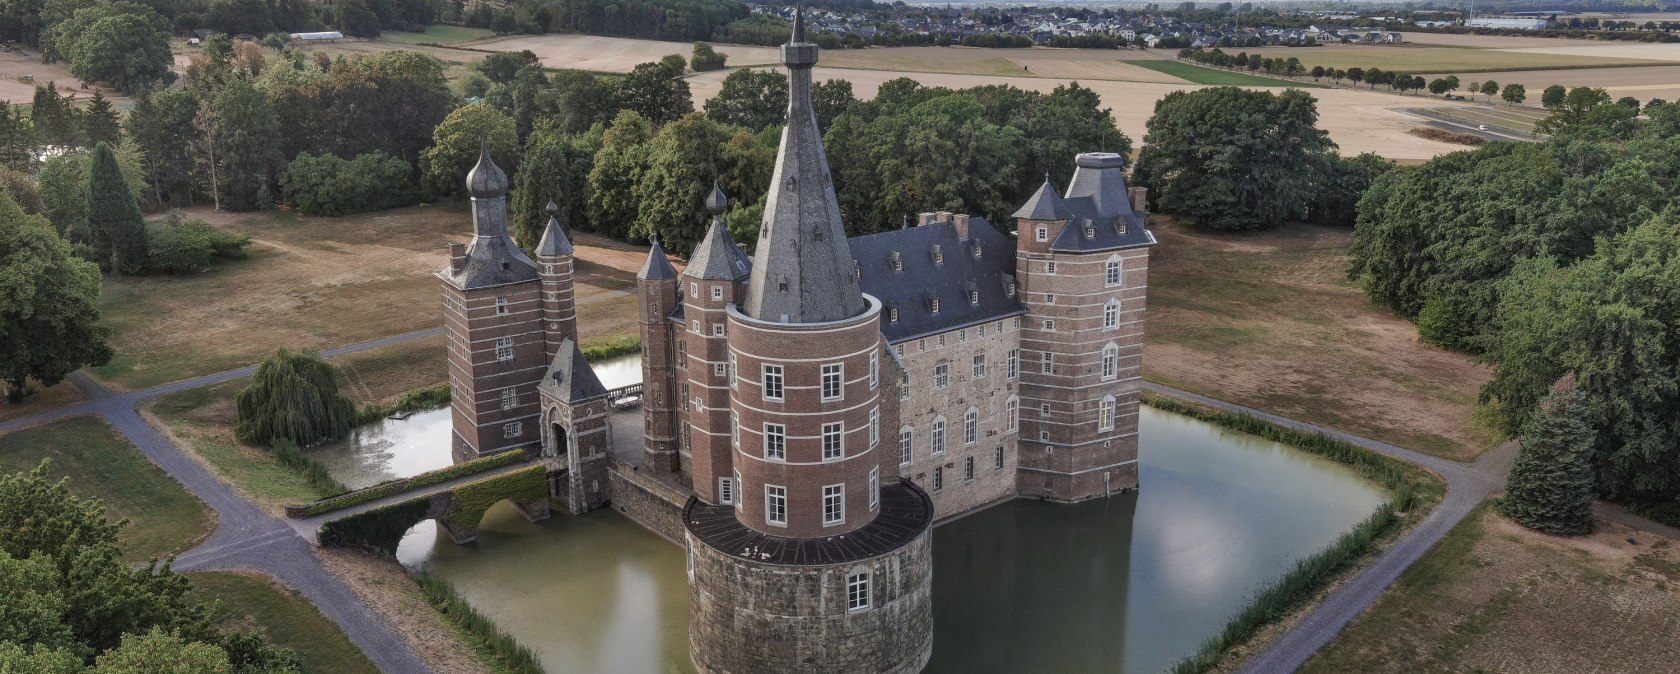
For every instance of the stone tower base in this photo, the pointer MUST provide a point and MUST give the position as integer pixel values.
(786, 609)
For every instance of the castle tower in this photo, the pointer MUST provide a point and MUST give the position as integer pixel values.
(554, 267)
(656, 291)
(493, 314)
(712, 281)
(803, 559)
(1082, 262)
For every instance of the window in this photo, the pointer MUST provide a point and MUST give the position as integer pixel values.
(834, 504)
(510, 398)
(831, 385)
(892, 314)
(997, 457)
(513, 430)
(1110, 361)
(938, 478)
(696, 326)
(772, 382)
(874, 369)
(1011, 414)
(732, 484)
(933, 304)
(1042, 234)
(971, 427)
(906, 439)
(941, 375)
(1111, 315)
(937, 445)
(775, 442)
(973, 297)
(897, 261)
(726, 491)
(693, 289)
(1044, 410)
(1105, 414)
(501, 306)
(833, 441)
(1013, 363)
(942, 341)
(504, 348)
(968, 468)
(1049, 325)
(904, 386)
(874, 487)
(682, 349)
(734, 429)
(717, 293)
(1112, 278)
(775, 505)
(874, 427)
(979, 365)
(1050, 298)
(717, 329)
(1050, 267)
(921, 345)
(962, 336)
(731, 371)
(1046, 362)
(857, 592)
(718, 369)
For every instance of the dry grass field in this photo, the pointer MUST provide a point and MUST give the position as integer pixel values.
(1478, 41)
(41, 400)
(1269, 320)
(15, 66)
(1659, 81)
(1432, 59)
(616, 54)
(1494, 597)
(310, 283)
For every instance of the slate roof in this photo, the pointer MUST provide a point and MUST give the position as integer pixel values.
(570, 377)
(906, 512)
(658, 266)
(1101, 209)
(909, 290)
(493, 258)
(717, 257)
(554, 242)
(1044, 204)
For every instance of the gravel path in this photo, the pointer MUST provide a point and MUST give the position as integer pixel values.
(1468, 484)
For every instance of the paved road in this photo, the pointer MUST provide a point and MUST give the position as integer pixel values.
(1468, 484)
(1446, 124)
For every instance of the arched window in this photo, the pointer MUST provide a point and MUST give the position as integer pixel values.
(1105, 414)
(1111, 315)
(1112, 276)
(1110, 361)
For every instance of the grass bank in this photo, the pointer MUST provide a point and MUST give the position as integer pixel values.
(251, 602)
(494, 646)
(1412, 490)
(163, 517)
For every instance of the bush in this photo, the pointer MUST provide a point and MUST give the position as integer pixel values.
(328, 185)
(417, 400)
(293, 396)
(182, 246)
(607, 347)
(706, 58)
(510, 656)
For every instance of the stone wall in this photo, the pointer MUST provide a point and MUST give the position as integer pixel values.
(748, 618)
(646, 501)
(955, 493)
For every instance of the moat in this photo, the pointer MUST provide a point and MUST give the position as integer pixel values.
(1128, 584)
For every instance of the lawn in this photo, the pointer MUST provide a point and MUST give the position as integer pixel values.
(41, 399)
(1495, 597)
(1202, 75)
(1422, 59)
(253, 602)
(310, 283)
(437, 34)
(1270, 320)
(164, 519)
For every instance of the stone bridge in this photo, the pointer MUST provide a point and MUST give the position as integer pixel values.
(457, 504)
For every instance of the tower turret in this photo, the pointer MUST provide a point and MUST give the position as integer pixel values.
(555, 267)
(656, 291)
(712, 277)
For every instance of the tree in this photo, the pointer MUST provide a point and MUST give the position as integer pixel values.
(830, 98)
(501, 66)
(617, 170)
(656, 91)
(327, 185)
(1345, 180)
(581, 100)
(23, 190)
(1439, 86)
(1553, 96)
(49, 305)
(544, 177)
(124, 44)
(1550, 488)
(100, 121)
(1356, 75)
(1473, 89)
(1513, 93)
(357, 19)
(114, 227)
(1490, 89)
(1318, 73)
(754, 99)
(455, 147)
(683, 158)
(55, 117)
(64, 184)
(1234, 159)
(293, 396)
(706, 58)
(157, 652)
(247, 139)
(1376, 76)
(162, 126)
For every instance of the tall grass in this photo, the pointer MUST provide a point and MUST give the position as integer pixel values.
(314, 471)
(607, 347)
(1409, 487)
(507, 654)
(417, 400)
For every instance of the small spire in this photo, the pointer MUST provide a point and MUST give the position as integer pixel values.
(716, 202)
(799, 22)
(658, 266)
(552, 208)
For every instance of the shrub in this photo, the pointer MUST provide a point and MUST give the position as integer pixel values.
(420, 399)
(328, 185)
(1551, 485)
(182, 246)
(509, 654)
(706, 58)
(607, 347)
(293, 396)
(425, 479)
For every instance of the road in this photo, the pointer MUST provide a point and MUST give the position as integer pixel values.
(1445, 124)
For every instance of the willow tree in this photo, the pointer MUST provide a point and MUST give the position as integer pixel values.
(293, 396)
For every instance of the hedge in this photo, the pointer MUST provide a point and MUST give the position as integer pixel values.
(384, 489)
(472, 499)
(378, 530)
(1411, 487)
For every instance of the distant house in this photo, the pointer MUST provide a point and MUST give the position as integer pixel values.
(1519, 24)
(318, 37)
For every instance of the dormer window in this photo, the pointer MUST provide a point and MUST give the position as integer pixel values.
(973, 297)
(505, 265)
(1090, 232)
(976, 248)
(933, 303)
(892, 313)
(1042, 234)
(897, 261)
(857, 270)
(938, 254)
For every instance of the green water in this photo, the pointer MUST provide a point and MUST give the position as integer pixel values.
(1121, 585)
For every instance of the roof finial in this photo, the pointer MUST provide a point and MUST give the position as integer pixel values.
(799, 22)
(716, 202)
(552, 208)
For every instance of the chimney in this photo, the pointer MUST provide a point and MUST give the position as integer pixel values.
(961, 223)
(925, 218)
(1140, 199)
(457, 256)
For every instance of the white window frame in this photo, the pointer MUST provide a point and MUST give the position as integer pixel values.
(1050, 267)
(936, 440)
(1049, 325)
(694, 290)
(1011, 414)
(513, 430)
(510, 398)
(906, 445)
(971, 427)
(501, 306)
(874, 427)
(874, 369)
(874, 488)
(1014, 364)
(968, 468)
(719, 369)
(834, 504)
(1111, 315)
(904, 386)
(775, 442)
(942, 375)
(717, 293)
(833, 373)
(1041, 234)
(834, 441)
(772, 384)
(997, 458)
(938, 478)
(730, 372)
(858, 592)
(740, 502)
(504, 349)
(1105, 413)
(1046, 363)
(1112, 276)
(1110, 361)
(775, 505)
(979, 365)
(726, 491)
(734, 429)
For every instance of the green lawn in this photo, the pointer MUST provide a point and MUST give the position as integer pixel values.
(249, 602)
(437, 34)
(163, 517)
(1200, 75)
(203, 419)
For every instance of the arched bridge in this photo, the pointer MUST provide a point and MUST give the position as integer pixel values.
(377, 517)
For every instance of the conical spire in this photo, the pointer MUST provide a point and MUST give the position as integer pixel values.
(717, 257)
(658, 266)
(716, 202)
(554, 242)
(1045, 204)
(799, 22)
(486, 180)
(802, 270)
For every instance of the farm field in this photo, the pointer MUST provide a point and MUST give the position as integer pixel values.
(1496, 597)
(1653, 51)
(1657, 81)
(1510, 119)
(1478, 41)
(14, 66)
(437, 34)
(1270, 320)
(310, 283)
(616, 54)
(1215, 76)
(1430, 59)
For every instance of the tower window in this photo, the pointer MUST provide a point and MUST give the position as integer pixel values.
(973, 297)
(775, 442)
(906, 440)
(833, 441)
(772, 382)
(971, 427)
(1112, 277)
(694, 290)
(504, 348)
(1011, 414)
(775, 505)
(1049, 325)
(897, 261)
(718, 369)
(1049, 298)
(1111, 315)
(904, 386)
(874, 427)
(1041, 234)
(510, 398)
(857, 592)
(501, 306)
(726, 491)
(874, 369)
(874, 487)
(1105, 414)
(834, 504)
(717, 293)
(1110, 361)
(937, 445)
(513, 430)
(832, 388)
(1047, 362)
(1050, 267)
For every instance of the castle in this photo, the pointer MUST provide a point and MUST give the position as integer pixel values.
(810, 412)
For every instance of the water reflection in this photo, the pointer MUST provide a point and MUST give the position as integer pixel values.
(1121, 585)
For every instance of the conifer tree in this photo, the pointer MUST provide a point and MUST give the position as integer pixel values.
(1551, 486)
(543, 177)
(293, 396)
(99, 121)
(114, 227)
